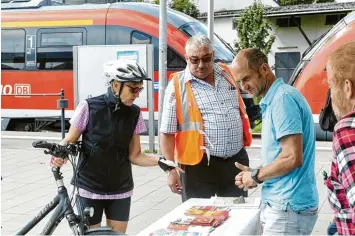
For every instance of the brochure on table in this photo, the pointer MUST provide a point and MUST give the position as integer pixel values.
(214, 216)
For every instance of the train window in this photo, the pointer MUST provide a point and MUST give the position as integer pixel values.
(118, 35)
(140, 38)
(54, 59)
(61, 39)
(55, 47)
(175, 61)
(12, 49)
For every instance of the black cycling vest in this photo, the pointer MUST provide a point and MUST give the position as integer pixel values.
(104, 166)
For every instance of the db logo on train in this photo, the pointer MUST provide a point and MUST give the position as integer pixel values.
(19, 90)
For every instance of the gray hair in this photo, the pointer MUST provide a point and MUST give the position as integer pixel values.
(198, 41)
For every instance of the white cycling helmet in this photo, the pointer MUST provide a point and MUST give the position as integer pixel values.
(124, 71)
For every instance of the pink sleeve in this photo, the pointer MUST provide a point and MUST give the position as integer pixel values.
(140, 128)
(80, 117)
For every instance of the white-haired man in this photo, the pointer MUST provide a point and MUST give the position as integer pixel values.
(205, 122)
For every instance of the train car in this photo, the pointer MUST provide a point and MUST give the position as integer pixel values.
(37, 44)
(310, 76)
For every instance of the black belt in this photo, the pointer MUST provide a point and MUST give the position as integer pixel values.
(224, 158)
(221, 158)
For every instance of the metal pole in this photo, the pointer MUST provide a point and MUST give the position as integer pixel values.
(162, 59)
(62, 104)
(150, 69)
(62, 116)
(210, 20)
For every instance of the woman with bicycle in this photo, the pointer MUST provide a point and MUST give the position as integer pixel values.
(110, 125)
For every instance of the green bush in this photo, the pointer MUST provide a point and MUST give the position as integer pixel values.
(295, 2)
(149, 152)
(323, 1)
(257, 129)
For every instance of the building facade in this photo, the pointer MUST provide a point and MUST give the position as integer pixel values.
(297, 27)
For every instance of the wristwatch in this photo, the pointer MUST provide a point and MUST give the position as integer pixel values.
(254, 176)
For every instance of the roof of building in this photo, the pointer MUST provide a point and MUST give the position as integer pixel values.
(303, 9)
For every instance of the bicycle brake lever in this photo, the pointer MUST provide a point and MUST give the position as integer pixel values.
(47, 152)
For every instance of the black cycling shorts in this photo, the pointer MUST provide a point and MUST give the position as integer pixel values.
(116, 209)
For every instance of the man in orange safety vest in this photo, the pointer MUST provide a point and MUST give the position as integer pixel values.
(204, 125)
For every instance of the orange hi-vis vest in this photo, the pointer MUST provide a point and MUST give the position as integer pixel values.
(189, 140)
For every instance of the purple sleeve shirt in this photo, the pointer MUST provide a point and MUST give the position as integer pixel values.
(80, 119)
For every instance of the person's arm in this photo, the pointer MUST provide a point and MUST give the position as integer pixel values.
(168, 127)
(78, 125)
(72, 136)
(141, 159)
(78, 122)
(137, 157)
(168, 130)
(344, 143)
(167, 145)
(290, 158)
(288, 129)
(287, 118)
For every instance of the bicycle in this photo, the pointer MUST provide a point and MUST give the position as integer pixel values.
(61, 201)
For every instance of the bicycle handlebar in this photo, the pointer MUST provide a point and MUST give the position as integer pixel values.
(42, 144)
(57, 150)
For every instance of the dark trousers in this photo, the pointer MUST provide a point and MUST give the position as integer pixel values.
(217, 178)
(332, 228)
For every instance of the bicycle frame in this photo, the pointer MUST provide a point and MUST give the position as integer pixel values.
(64, 208)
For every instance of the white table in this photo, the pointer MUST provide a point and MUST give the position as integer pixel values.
(243, 220)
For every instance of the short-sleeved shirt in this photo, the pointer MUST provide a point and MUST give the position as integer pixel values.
(80, 120)
(219, 109)
(286, 112)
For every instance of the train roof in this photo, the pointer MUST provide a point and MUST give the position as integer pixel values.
(175, 18)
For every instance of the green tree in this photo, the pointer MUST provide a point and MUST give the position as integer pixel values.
(184, 6)
(254, 31)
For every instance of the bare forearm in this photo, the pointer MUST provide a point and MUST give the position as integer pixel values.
(167, 145)
(284, 164)
(72, 136)
(143, 159)
(68, 140)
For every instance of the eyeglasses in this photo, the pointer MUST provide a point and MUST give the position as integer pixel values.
(205, 59)
(135, 89)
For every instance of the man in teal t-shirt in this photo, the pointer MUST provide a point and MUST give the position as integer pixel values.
(289, 191)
